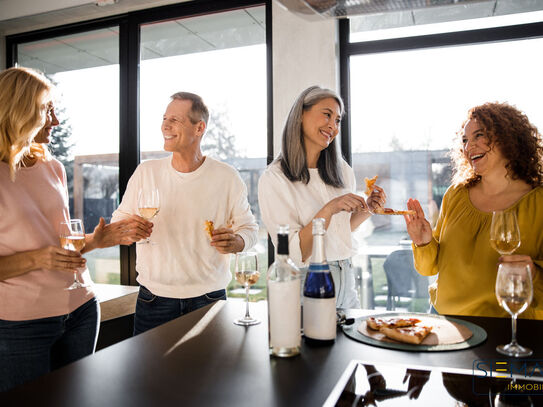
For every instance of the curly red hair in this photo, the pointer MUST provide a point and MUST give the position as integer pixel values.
(518, 140)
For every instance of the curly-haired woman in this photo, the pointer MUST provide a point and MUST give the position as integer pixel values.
(498, 166)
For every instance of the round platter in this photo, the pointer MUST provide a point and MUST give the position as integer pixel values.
(478, 337)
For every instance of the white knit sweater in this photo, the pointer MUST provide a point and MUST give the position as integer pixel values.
(181, 263)
(295, 203)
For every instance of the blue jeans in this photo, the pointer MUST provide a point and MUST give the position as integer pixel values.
(152, 310)
(29, 349)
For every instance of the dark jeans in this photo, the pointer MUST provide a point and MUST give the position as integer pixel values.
(152, 310)
(29, 349)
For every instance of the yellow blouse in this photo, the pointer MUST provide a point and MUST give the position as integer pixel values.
(466, 265)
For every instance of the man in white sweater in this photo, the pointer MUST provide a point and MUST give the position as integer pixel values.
(182, 268)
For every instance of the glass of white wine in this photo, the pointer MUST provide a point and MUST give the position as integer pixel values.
(148, 206)
(247, 274)
(514, 292)
(504, 232)
(72, 237)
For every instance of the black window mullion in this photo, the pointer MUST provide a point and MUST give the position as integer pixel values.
(485, 35)
(345, 84)
(129, 141)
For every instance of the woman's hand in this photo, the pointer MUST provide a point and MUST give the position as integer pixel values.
(225, 241)
(347, 203)
(519, 259)
(125, 232)
(418, 227)
(57, 258)
(377, 198)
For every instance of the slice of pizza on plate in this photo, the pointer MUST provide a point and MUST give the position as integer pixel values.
(390, 322)
(410, 334)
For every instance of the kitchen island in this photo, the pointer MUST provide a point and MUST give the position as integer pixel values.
(203, 359)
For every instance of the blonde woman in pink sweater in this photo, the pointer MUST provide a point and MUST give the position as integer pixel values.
(42, 325)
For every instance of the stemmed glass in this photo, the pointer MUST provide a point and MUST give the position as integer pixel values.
(514, 292)
(504, 232)
(247, 274)
(148, 206)
(72, 237)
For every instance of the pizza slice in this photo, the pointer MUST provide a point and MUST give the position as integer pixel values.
(370, 182)
(391, 322)
(411, 334)
(389, 211)
(209, 228)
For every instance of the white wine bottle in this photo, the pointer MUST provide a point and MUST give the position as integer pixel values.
(319, 300)
(284, 308)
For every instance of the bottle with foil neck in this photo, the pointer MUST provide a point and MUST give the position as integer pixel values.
(284, 305)
(319, 301)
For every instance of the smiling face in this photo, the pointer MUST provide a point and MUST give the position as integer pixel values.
(44, 135)
(320, 124)
(478, 150)
(179, 133)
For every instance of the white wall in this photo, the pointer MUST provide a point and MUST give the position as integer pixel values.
(304, 54)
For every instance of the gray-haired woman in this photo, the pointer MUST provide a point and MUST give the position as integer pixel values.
(310, 180)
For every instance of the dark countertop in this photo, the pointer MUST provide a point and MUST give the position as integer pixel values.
(204, 359)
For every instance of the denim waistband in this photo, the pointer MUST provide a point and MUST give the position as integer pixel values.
(340, 263)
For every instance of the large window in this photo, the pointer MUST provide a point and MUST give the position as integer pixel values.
(221, 57)
(406, 106)
(85, 69)
(115, 77)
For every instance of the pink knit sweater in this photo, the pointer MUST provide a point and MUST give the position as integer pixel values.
(31, 209)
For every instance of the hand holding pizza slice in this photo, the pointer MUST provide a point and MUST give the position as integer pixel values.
(379, 210)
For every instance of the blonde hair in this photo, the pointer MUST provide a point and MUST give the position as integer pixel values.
(23, 110)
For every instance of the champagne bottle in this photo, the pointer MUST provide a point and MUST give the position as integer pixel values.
(284, 313)
(319, 302)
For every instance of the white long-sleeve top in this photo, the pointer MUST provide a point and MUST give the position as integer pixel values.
(180, 262)
(296, 204)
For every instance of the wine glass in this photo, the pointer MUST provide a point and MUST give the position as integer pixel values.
(504, 232)
(247, 274)
(514, 293)
(148, 206)
(72, 237)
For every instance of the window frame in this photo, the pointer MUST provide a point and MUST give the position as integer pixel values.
(129, 57)
(448, 39)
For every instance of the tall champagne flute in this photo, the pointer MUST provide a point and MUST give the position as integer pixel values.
(514, 292)
(247, 274)
(72, 237)
(504, 232)
(148, 206)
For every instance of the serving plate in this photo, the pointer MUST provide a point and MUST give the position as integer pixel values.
(477, 334)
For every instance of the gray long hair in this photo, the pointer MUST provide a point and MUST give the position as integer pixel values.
(292, 158)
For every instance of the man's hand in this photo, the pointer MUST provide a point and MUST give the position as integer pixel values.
(226, 241)
(125, 232)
